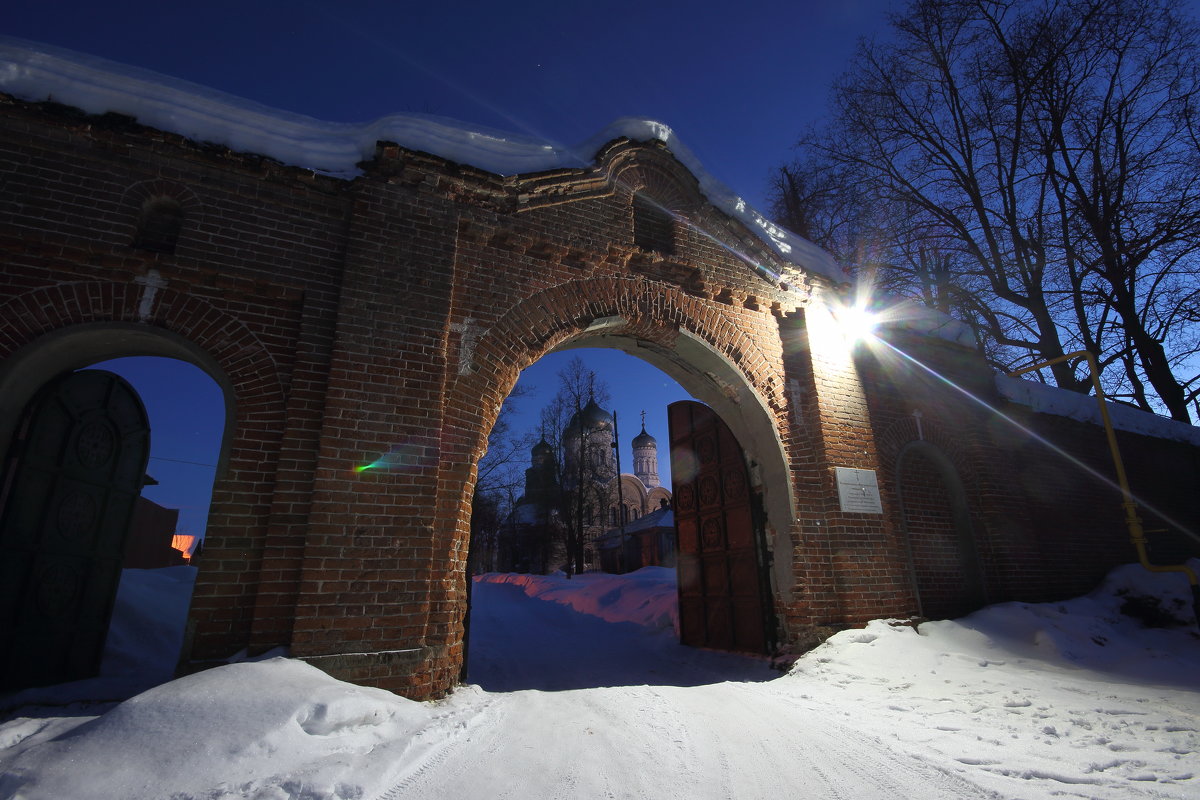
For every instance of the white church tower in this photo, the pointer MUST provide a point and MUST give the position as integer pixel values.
(645, 457)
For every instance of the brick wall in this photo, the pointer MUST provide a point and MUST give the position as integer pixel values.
(1075, 507)
(1043, 514)
(252, 284)
(382, 320)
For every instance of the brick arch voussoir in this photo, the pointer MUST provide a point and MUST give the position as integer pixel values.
(539, 323)
(250, 368)
(907, 430)
(136, 194)
(659, 183)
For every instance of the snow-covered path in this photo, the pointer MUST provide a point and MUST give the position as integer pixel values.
(518, 642)
(1064, 700)
(671, 743)
(724, 740)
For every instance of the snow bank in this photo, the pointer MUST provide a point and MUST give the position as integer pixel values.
(1103, 631)
(1073, 699)
(39, 72)
(274, 729)
(646, 597)
(148, 621)
(1077, 697)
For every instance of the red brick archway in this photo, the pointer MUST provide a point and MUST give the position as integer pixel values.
(654, 321)
(73, 325)
(684, 336)
(391, 312)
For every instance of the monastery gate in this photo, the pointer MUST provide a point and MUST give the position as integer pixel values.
(384, 318)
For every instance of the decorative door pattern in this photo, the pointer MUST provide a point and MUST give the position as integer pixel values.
(722, 603)
(73, 477)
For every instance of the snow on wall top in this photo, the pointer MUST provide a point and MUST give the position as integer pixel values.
(38, 72)
(910, 315)
(1063, 403)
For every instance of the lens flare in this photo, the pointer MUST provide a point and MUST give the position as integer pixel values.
(414, 455)
(1009, 422)
(857, 322)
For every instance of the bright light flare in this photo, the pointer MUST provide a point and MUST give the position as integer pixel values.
(856, 322)
(1004, 419)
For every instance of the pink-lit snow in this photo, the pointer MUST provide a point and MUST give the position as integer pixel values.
(1058, 700)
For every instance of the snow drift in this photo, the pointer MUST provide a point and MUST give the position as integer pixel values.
(1096, 697)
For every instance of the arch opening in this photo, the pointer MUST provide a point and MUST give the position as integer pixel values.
(554, 445)
(134, 560)
(689, 366)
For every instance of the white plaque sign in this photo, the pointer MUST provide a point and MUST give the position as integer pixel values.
(858, 490)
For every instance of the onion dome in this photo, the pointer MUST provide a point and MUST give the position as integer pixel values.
(541, 450)
(592, 417)
(644, 439)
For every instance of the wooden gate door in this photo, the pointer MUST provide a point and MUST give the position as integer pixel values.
(723, 602)
(73, 475)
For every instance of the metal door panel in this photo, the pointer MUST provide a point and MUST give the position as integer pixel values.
(689, 539)
(689, 574)
(749, 633)
(716, 579)
(739, 530)
(721, 577)
(691, 620)
(719, 626)
(80, 458)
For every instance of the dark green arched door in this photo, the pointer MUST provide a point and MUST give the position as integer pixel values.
(74, 472)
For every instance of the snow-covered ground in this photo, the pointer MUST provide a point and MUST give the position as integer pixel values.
(579, 689)
(143, 644)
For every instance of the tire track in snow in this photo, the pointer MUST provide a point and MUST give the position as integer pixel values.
(724, 741)
(435, 754)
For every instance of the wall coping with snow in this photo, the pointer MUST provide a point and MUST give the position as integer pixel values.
(1083, 407)
(37, 72)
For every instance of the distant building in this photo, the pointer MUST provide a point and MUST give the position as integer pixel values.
(645, 542)
(532, 539)
(150, 543)
(186, 543)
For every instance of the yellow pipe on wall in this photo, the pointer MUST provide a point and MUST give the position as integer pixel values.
(1137, 533)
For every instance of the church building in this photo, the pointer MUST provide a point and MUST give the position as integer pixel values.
(584, 494)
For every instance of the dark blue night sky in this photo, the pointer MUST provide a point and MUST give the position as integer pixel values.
(737, 82)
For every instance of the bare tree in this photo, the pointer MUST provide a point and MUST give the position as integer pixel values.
(498, 482)
(581, 480)
(1032, 167)
(1117, 123)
